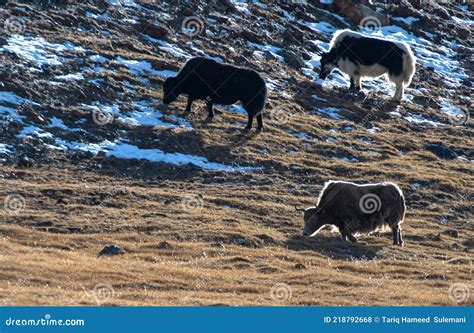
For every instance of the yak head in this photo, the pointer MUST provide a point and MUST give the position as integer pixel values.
(311, 220)
(328, 64)
(170, 93)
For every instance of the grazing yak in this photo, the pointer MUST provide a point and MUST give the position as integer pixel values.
(359, 56)
(354, 208)
(205, 79)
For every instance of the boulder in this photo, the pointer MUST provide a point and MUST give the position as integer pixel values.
(442, 151)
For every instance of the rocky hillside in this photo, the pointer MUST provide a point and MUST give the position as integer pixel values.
(203, 213)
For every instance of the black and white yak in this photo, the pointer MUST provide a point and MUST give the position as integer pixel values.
(354, 208)
(216, 83)
(360, 56)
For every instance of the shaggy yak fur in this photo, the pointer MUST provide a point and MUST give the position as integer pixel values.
(217, 83)
(359, 56)
(354, 208)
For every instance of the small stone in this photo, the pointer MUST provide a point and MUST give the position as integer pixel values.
(300, 266)
(451, 232)
(441, 151)
(111, 250)
(25, 162)
(239, 240)
(164, 245)
(293, 59)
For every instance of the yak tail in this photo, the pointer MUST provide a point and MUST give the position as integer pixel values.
(260, 100)
(409, 61)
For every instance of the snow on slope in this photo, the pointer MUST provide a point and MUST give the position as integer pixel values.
(37, 54)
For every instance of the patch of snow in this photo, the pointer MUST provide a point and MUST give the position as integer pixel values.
(70, 77)
(5, 149)
(419, 119)
(241, 6)
(128, 3)
(98, 58)
(169, 48)
(407, 20)
(32, 130)
(37, 50)
(451, 110)
(330, 112)
(322, 27)
(56, 122)
(274, 50)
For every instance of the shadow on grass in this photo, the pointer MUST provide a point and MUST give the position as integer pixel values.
(332, 246)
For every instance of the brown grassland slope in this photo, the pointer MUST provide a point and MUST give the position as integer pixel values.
(193, 236)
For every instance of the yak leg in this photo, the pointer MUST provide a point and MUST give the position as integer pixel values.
(352, 238)
(355, 83)
(397, 235)
(347, 234)
(250, 121)
(398, 92)
(400, 239)
(210, 110)
(260, 122)
(189, 105)
(352, 87)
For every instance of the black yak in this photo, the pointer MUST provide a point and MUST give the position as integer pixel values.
(354, 208)
(205, 79)
(357, 56)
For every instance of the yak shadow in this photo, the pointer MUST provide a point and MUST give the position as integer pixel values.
(333, 246)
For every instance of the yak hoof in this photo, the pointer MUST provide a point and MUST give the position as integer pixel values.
(208, 119)
(260, 130)
(352, 239)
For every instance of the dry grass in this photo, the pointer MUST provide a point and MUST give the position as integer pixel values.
(242, 241)
(245, 236)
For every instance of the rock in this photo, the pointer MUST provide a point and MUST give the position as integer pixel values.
(300, 266)
(460, 261)
(225, 6)
(356, 12)
(25, 162)
(111, 250)
(469, 243)
(35, 117)
(292, 36)
(153, 30)
(404, 9)
(293, 59)
(164, 245)
(442, 151)
(239, 240)
(451, 232)
(251, 37)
